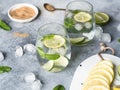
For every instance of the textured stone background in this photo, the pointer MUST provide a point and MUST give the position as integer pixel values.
(28, 62)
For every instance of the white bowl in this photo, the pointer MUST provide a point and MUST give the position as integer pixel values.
(16, 6)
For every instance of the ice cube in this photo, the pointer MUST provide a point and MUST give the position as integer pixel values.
(19, 51)
(36, 85)
(30, 48)
(29, 77)
(98, 32)
(1, 56)
(88, 25)
(78, 27)
(118, 27)
(106, 37)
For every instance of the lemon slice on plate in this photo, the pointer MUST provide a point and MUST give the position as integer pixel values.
(106, 62)
(53, 41)
(82, 17)
(94, 82)
(98, 87)
(105, 67)
(104, 73)
(98, 76)
(116, 88)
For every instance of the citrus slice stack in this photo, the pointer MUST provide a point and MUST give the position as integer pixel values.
(100, 77)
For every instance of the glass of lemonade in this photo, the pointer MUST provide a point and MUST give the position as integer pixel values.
(79, 22)
(53, 47)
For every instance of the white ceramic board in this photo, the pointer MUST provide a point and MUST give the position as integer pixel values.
(83, 69)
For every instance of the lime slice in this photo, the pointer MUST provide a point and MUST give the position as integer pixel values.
(60, 64)
(55, 41)
(82, 43)
(101, 18)
(47, 66)
(119, 70)
(82, 17)
(77, 40)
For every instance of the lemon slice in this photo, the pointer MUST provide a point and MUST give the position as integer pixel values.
(98, 76)
(95, 81)
(48, 66)
(105, 67)
(118, 69)
(116, 88)
(82, 17)
(55, 41)
(106, 62)
(101, 18)
(98, 87)
(104, 73)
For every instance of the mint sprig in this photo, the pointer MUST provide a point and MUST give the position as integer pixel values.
(47, 56)
(4, 69)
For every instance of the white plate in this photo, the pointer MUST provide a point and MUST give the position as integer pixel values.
(83, 69)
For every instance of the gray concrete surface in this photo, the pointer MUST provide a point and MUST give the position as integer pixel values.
(28, 62)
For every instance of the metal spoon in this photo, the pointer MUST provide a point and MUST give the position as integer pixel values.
(51, 8)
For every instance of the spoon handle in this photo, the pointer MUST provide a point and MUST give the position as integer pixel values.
(60, 9)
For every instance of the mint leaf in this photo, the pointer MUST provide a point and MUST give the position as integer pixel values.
(4, 69)
(69, 22)
(59, 87)
(4, 26)
(48, 37)
(41, 52)
(52, 56)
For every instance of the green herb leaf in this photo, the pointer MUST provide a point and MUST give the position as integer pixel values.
(4, 69)
(68, 22)
(41, 52)
(52, 56)
(47, 56)
(119, 40)
(59, 87)
(47, 37)
(4, 26)
(75, 11)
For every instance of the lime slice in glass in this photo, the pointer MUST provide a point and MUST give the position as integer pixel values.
(77, 40)
(48, 66)
(83, 43)
(82, 17)
(55, 41)
(101, 18)
(60, 64)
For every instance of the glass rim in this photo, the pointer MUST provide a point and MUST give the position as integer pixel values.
(51, 23)
(79, 1)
